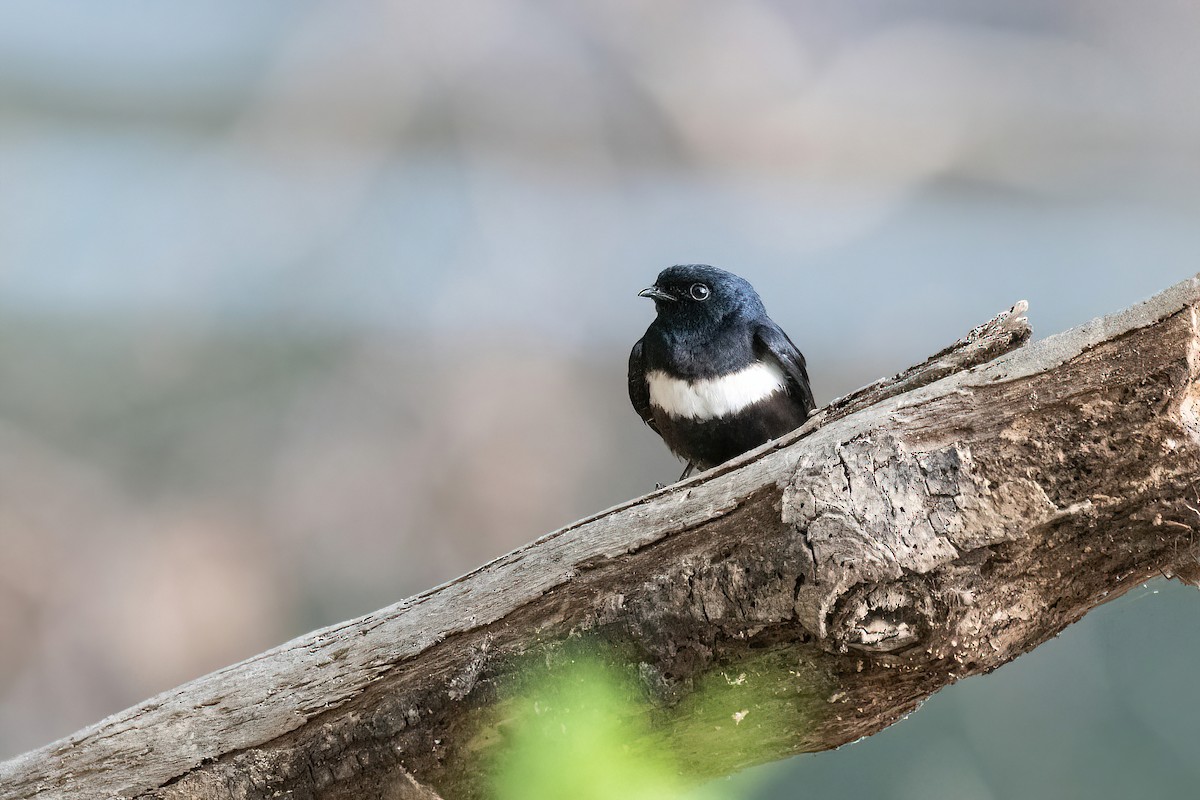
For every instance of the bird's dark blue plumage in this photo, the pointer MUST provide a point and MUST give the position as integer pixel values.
(714, 376)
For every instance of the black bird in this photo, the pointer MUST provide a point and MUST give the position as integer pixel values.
(714, 376)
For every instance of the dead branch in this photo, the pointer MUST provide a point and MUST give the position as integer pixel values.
(928, 528)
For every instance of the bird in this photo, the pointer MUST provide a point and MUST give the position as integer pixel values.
(713, 375)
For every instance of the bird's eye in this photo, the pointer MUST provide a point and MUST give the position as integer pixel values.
(699, 291)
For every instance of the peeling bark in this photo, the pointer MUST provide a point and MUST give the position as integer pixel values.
(927, 528)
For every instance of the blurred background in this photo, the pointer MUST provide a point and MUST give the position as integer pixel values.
(308, 306)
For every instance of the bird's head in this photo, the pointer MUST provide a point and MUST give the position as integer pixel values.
(696, 294)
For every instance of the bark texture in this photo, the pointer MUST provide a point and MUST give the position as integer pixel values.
(927, 528)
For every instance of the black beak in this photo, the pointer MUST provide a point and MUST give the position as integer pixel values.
(655, 293)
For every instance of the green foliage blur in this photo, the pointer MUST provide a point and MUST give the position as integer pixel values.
(587, 732)
(574, 738)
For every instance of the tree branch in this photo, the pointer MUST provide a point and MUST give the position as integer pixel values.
(927, 528)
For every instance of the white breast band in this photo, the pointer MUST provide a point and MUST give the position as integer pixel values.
(715, 397)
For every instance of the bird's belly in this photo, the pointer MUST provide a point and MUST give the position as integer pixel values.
(712, 398)
(708, 442)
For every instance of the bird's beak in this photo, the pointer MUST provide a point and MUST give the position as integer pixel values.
(655, 293)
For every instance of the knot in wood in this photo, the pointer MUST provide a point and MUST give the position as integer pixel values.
(881, 619)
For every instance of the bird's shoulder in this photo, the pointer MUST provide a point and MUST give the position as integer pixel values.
(639, 388)
(770, 341)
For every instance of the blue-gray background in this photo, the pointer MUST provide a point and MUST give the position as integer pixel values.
(308, 306)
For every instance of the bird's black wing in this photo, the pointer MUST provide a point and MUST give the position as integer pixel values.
(769, 339)
(639, 389)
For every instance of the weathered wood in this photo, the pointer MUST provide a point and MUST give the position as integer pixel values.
(927, 528)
